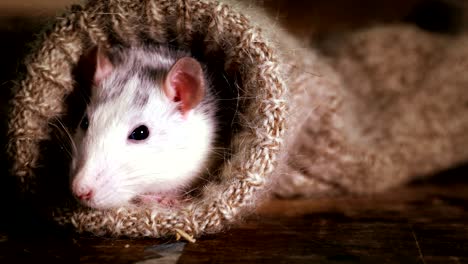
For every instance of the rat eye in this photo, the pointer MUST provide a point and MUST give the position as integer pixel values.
(140, 133)
(84, 123)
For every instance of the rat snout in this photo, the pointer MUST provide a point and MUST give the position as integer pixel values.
(85, 194)
(82, 191)
(99, 189)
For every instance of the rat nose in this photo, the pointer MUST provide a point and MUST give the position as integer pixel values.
(84, 194)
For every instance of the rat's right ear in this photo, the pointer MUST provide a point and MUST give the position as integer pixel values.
(185, 84)
(103, 65)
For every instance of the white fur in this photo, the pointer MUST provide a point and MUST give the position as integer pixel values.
(117, 169)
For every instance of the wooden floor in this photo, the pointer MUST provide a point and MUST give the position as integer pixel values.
(425, 222)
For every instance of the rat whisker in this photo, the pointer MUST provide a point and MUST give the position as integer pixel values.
(189, 191)
(64, 131)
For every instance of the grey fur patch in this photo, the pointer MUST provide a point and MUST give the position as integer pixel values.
(116, 87)
(112, 94)
(141, 98)
(153, 74)
(149, 65)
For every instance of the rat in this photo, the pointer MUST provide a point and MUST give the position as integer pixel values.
(147, 131)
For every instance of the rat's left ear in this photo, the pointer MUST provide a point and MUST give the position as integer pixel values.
(104, 66)
(185, 83)
(93, 67)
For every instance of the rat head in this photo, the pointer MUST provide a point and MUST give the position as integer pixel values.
(147, 129)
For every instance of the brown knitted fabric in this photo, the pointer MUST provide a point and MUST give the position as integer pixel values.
(41, 94)
(304, 129)
(399, 112)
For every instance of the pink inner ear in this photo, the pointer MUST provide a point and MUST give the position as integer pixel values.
(185, 84)
(103, 66)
